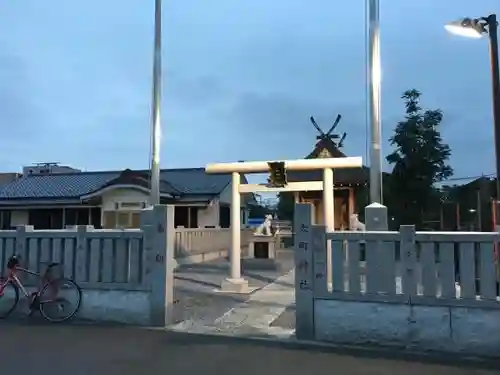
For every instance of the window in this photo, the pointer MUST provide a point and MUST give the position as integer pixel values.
(123, 219)
(224, 217)
(193, 217)
(77, 216)
(46, 218)
(136, 219)
(95, 217)
(5, 219)
(109, 219)
(132, 205)
(186, 217)
(181, 216)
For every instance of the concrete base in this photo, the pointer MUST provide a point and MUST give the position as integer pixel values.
(270, 240)
(120, 306)
(376, 217)
(236, 286)
(472, 331)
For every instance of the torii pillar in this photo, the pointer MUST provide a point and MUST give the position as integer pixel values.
(235, 283)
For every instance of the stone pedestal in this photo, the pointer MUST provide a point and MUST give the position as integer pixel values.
(376, 217)
(261, 254)
(262, 247)
(236, 286)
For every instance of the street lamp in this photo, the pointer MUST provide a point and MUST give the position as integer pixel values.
(374, 91)
(155, 110)
(476, 28)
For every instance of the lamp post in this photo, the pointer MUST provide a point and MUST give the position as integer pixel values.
(476, 28)
(375, 213)
(155, 110)
(374, 80)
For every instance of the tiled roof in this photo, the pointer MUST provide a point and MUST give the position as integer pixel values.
(195, 180)
(75, 185)
(70, 185)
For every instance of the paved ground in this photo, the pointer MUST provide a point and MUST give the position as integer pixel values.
(196, 287)
(200, 309)
(31, 347)
(286, 319)
(83, 350)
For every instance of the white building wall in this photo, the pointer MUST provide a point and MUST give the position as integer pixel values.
(112, 200)
(225, 198)
(19, 217)
(209, 216)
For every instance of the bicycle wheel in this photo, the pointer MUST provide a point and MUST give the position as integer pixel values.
(60, 300)
(8, 299)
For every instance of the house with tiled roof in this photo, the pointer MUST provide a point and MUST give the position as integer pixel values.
(51, 196)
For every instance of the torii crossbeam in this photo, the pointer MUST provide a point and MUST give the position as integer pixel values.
(235, 283)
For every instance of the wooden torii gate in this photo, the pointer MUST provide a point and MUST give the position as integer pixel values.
(235, 283)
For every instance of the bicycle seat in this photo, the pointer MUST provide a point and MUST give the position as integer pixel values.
(13, 262)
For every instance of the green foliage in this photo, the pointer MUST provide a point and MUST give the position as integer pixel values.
(286, 206)
(258, 211)
(419, 160)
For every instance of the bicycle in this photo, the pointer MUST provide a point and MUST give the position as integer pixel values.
(46, 299)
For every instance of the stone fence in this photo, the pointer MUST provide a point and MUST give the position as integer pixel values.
(422, 290)
(126, 274)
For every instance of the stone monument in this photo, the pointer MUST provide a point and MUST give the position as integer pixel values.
(261, 245)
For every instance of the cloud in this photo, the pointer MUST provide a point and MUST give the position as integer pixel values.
(18, 110)
(240, 79)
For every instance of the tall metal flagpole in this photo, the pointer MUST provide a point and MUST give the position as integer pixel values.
(374, 78)
(155, 110)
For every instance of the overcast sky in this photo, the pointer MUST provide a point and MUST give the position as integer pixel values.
(241, 79)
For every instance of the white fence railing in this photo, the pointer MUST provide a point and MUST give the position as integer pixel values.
(422, 290)
(95, 258)
(421, 267)
(437, 268)
(101, 258)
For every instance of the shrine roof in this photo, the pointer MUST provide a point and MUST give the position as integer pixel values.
(326, 148)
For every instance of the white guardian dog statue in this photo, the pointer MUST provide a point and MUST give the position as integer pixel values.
(355, 224)
(264, 229)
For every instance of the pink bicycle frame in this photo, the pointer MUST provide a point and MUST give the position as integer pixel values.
(12, 277)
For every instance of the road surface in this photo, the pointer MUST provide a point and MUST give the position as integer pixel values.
(104, 350)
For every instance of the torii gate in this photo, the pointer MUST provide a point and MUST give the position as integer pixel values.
(235, 283)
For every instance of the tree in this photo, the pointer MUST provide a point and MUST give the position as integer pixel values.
(258, 211)
(286, 205)
(419, 160)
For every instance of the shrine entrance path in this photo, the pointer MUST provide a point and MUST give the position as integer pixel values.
(199, 308)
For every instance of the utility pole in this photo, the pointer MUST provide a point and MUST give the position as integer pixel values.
(376, 213)
(374, 91)
(155, 110)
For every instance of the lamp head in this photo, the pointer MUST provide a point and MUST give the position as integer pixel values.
(467, 27)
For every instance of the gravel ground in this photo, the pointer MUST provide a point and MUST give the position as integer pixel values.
(286, 319)
(195, 286)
